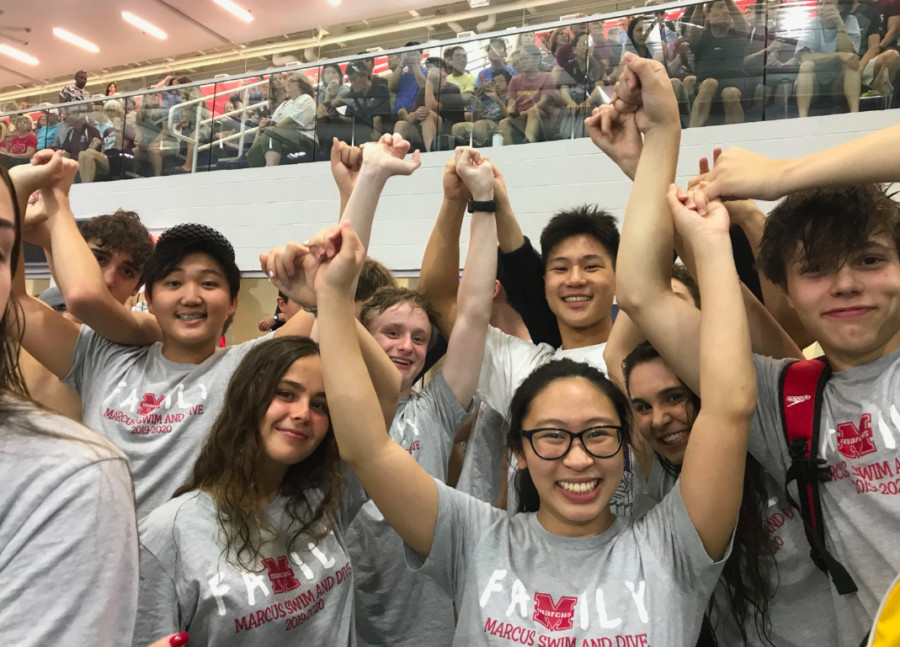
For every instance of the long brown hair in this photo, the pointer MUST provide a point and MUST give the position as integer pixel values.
(228, 465)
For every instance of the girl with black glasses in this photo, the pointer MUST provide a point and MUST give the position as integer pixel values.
(564, 570)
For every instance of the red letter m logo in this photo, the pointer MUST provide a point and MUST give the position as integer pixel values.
(556, 616)
(853, 442)
(281, 575)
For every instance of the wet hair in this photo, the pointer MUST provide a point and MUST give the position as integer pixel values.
(531, 388)
(231, 456)
(372, 278)
(121, 231)
(180, 241)
(747, 572)
(680, 273)
(585, 219)
(828, 226)
(391, 296)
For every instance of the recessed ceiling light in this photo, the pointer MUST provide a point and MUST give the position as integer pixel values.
(335, 2)
(240, 12)
(12, 52)
(78, 41)
(143, 25)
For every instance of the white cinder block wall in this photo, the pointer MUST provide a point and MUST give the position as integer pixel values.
(261, 208)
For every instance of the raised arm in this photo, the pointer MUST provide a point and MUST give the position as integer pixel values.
(48, 336)
(345, 162)
(439, 279)
(712, 474)
(465, 348)
(740, 173)
(403, 491)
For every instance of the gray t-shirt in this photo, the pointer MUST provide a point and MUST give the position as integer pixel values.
(299, 595)
(68, 536)
(393, 605)
(480, 475)
(156, 411)
(642, 582)
(800, 589)
(859, 436)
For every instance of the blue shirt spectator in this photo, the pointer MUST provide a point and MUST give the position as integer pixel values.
(46, 135)
(408, 89)
(496, 55)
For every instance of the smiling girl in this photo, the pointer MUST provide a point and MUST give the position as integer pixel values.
(565, 566)
(251, 547)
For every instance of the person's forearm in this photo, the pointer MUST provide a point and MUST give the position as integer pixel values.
(740, 21)
(430, 101)
(385, 376)
(892, 31)
(869, 159)
(394, 79)
(363, 201)
(724, 333)
(844, 43)
(439, 277)
(351, 397)
(566, 97)
(645, 253)
(417, 72)
(509, 233)
(465, 349)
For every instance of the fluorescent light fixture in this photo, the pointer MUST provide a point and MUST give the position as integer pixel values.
(337, 2)
(78, 41)
(240, 12)
(474, 4)
(12, 52)
(143, 25)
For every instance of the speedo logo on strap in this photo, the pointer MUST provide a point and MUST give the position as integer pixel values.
(797, 399)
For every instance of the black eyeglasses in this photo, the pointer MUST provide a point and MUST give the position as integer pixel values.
(550, 443)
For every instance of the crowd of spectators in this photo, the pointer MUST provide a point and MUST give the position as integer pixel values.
(726, 65)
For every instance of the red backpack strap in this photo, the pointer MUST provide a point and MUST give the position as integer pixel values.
(802, 388)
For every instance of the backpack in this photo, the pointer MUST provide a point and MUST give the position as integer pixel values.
(802, 387)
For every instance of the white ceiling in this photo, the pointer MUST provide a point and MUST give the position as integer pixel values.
(191, 25)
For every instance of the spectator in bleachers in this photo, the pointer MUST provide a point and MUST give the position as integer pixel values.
(496, 55)
(681, 67)
(292, 128)
(616, 47)
(117, 148)
(150, 133)
(331, 86)
(456, 57)
(272, 95)
(40, 123)
(530, 96)
(828, 58)
(190, 123)
(370, 66)
(490, 109)
(879, 64)
(80, 133)
(111, 89)
(559, 38)
(439, 106)
(406, 79)
(225, 127)
(720, 51)
(368, 105)
(578, 85)
(75, 92)
(889, 10)
(23, 142)
(46, 134)
(770, 61)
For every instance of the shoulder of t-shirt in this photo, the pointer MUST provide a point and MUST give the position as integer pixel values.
(89, 336)
(58, 435)
(156, 530)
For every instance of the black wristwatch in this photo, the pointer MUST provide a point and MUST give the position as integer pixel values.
(487, 206)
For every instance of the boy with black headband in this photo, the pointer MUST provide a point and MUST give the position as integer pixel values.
(156, 400)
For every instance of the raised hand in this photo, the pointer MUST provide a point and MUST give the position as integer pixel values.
(387, 156)
(345, 163)
(454, 187)
(705, 218)
(617, 135)
(47, 168)
(292, 269)
(738, 173)
(739, 211)
(338, 271)
(656, 106)
(476, 172)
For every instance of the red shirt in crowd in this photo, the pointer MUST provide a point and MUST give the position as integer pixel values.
(19, 145)
(526, 92)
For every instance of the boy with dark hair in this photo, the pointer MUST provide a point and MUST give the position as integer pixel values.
(579, 255)
(151, 382)
(121, 245)
(832, 246)
(373, 277)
